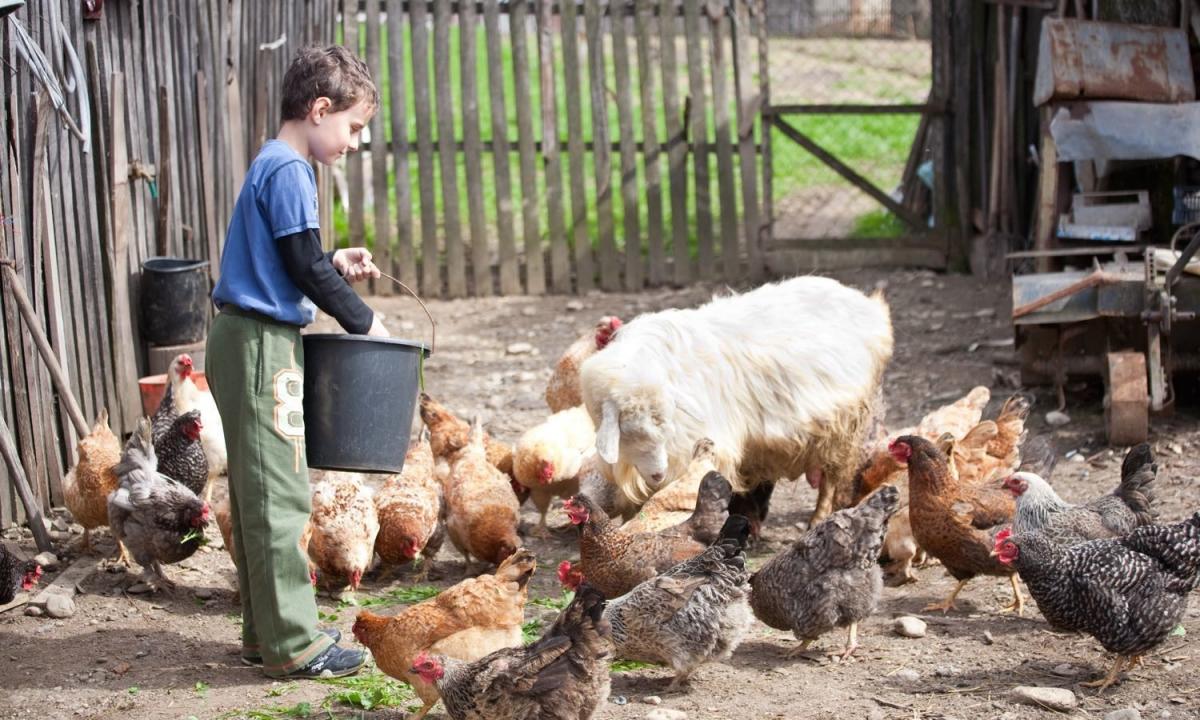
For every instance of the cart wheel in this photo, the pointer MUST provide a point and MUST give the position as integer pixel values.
(1126, 400)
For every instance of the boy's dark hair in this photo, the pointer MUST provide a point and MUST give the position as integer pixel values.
(333, 72)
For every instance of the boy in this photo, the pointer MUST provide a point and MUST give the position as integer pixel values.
(272, 271)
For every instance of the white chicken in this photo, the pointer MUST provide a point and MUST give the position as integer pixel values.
(188, 396)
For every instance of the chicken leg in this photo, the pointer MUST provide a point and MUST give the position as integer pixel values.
(798, 650)
(1109, 679)
(680, 680)
(1018, 603)
(851, 643)
(947, 604)
(423, 711)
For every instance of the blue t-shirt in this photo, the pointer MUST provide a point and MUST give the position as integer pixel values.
(278, 198)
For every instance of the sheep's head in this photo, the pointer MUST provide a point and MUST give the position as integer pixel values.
(636, 431)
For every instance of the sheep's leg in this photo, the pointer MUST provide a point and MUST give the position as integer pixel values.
(825, 493)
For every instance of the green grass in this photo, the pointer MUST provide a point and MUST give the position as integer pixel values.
(368, 690)
(878, 224)
(395, 596)
(875, 146)
(531, 631)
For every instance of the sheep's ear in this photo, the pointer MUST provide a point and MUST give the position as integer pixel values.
(608, 435)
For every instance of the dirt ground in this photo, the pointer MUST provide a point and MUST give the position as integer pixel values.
(175, 656)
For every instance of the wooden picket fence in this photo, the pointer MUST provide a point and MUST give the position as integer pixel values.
(633, 129)
(174, 115)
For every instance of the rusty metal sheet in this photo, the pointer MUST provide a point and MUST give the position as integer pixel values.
(1122, 299)
(1081, 59)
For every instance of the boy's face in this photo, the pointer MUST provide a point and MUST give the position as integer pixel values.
(333, 134)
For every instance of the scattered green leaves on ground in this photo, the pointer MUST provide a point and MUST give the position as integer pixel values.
(279, 690)
(531, 631)
(201, 688)
(629, 665)
(395, 596)
(369, 690)
(557, 603)
(134, 690)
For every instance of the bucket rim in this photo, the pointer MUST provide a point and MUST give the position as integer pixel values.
(346, 337)
(185, 264)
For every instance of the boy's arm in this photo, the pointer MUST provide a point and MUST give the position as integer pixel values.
(313, 272)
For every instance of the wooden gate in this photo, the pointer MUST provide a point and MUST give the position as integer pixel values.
(541, 146)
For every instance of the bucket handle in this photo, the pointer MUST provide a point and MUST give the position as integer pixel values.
(432, 322)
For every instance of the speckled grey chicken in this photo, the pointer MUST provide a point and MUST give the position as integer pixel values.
(1129, 593)
(561, 676)
(159, 520)
(1039, 508)
(694, 613)
(16, 574)
(830, 577)
(180, 452)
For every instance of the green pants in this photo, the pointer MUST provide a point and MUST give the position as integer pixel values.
(255, 369)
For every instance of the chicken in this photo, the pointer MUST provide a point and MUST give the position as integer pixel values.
(481, 509)
(16, 575)
(466, 621)
(561, 676)
(181, 453)
(187, 397)
(991, 449)
(87, 486)
(562, 392)
(409, 505)
(677, 501)
(159, 520)
(830, 577)
(953, 522)
(223, 514)
(1129, 593)
(696, 612)
(603, 491)
(615, 561)
(164, 415)
(448, 434)
(550, 456)
(1039, 508)
(344, 526)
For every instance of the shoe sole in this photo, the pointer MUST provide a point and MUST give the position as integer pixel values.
(257, 662)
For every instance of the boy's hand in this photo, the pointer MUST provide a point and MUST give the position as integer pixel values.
(355, 264)
(377, 329)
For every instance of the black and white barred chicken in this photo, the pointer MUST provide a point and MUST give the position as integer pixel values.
(15, 575)
(157, 519)
(561, 676)
(180, 453)
(1129, 593)
(694, 613)
(1039, 508)
(830, 577)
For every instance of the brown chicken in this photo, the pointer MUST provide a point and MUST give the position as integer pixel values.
(562, 392)
(448, 433)
(676, 502)
(615, 561)
(954, 522)
(550, 457)
(223, 514)
(466, 621)
(344, 526)
(87, 485)
(481, 509)
(562, 676)
(411, 521)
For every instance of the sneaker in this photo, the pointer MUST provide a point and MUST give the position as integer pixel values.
(336, 661)
(255, 660)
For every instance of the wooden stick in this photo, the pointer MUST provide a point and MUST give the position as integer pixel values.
(1096, 279)
(17, 288)
(33, 511)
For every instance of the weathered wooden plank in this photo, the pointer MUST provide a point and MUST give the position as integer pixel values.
(354, 161)
(162, 235)
(405, 264)
(456, 281)
(468, 26)
(585, 269)
(382, 249)
(510, 278)
(748, 99)
(535, 270)
(726, 192)
(630, 199)
(610, 271)
(651, 159)
(676, 145)
(431, 263)
(559, 269)
(211, 233)
(698, 122)
(118, 264)
(764, 80)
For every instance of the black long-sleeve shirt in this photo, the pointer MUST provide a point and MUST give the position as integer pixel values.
(313, 272)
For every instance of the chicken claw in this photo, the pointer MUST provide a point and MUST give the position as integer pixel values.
(851, 644)
(1111, 678)
(1018, 603)
(947, 604)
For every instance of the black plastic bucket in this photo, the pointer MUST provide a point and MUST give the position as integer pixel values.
(359, 396)
(174, 300)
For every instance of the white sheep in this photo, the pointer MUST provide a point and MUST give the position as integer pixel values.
(780, 378)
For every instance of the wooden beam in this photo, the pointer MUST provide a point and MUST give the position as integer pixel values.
(855, 109)
(848, 173)
(33, 511)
